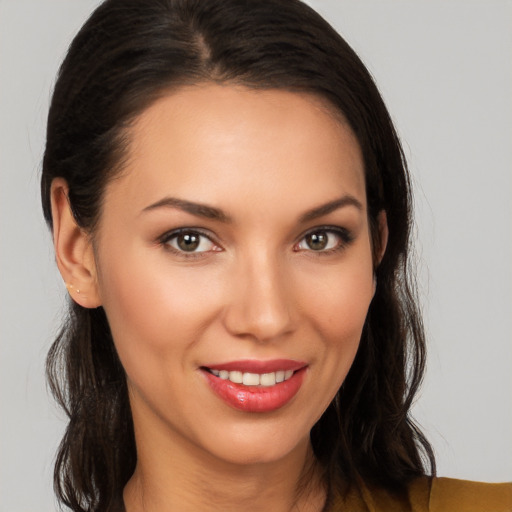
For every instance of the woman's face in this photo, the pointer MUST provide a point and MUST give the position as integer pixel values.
(235, 247)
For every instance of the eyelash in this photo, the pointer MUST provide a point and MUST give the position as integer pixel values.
(345, 239)
(344, 235)
(165, 240)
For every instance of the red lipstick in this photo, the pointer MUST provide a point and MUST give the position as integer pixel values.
(257, 366)
(256, 398)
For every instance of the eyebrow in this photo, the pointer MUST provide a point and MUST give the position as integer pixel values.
(330, 207)
(211, 212)
(197, 209)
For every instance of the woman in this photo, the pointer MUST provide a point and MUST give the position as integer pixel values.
(231, 210)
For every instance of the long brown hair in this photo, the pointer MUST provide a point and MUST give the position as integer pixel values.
(129, 53)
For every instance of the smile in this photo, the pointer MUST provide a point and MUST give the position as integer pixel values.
(253, 379)
(256, 386)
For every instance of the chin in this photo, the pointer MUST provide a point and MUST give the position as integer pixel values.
(253, 446)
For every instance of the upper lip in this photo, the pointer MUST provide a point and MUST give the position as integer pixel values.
(258, 366)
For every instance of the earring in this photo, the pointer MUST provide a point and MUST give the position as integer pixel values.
(69, 286)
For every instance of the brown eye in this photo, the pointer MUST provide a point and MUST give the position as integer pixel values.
(324, 240)
(317, 241)
(189, 242)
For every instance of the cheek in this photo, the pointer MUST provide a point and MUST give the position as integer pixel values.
(338, 311)
(340, 302)
(343, 330)
(153, 308)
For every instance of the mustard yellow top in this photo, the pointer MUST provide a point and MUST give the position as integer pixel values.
(430, 495)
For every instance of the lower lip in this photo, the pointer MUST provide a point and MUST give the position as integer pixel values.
(256, 398)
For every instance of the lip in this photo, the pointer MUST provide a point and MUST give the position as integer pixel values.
(256, 399)
(258, 366)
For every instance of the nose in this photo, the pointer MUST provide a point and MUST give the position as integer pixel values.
(261, 302)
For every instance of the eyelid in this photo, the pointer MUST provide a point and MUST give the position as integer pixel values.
(345, 235)
(173, 233)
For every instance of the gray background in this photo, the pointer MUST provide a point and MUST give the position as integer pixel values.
(445, 70)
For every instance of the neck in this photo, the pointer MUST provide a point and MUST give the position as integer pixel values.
(188, 480)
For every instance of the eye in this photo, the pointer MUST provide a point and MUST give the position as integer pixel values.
(189, 241)
(324, 240)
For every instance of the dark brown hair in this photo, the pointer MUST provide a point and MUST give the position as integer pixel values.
(129, 53)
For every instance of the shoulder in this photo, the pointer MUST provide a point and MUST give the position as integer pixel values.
(429, 495)
(446, 494)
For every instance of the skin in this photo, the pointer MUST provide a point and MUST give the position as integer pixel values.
(254, 290)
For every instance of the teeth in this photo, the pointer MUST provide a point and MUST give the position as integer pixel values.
(268, 379)
(251, 379)
(236, 377)
(254, 379)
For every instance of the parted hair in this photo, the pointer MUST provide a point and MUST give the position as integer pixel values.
(128, 54)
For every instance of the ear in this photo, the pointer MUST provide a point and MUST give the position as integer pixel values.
(73, 249)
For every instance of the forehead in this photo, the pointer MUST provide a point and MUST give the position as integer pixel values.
(216, 141)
